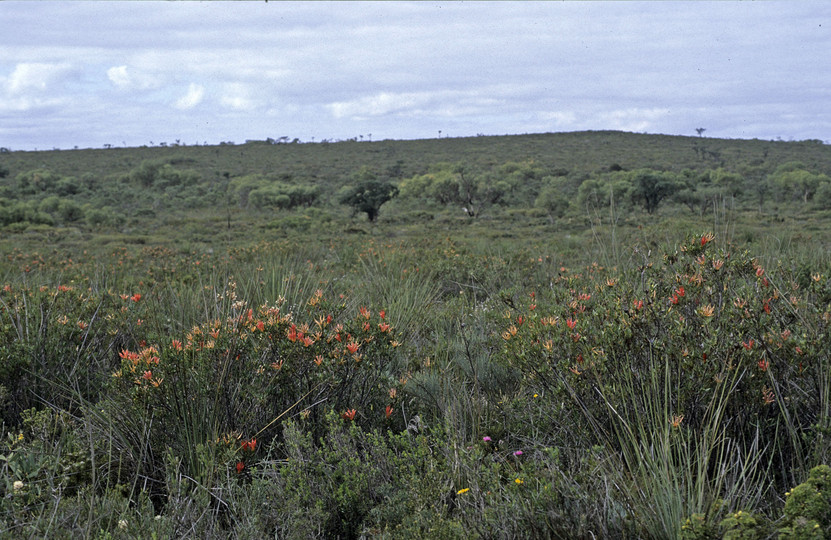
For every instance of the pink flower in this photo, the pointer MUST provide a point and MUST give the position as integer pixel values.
(486, 438)
(518, 453)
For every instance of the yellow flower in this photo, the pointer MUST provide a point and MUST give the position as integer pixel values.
(465, 490)
(706, 311)
(518, 481)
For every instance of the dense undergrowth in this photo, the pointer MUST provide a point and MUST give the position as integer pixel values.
(402, 389)
(558, 336)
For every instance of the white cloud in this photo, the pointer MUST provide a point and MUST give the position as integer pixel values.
(128, 79)
(34, 77)
(634, 119)
(379, 104)
(192, 98)
(237, 96)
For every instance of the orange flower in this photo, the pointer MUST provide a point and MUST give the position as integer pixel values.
(147, 375)
(136, 297)
(763, 364)
(383, 314)
(747, 344)
(127, 355)
(571, 323)
(176, 345)
(364, 312)
(676, 420)
(318, 360)
(384, 327)
(388, 411)
(706, 311)
(349, 415)
(352, 347)
(261, 326)
(767, 395)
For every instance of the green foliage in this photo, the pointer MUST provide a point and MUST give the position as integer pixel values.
(797, 182)
(808, 506)
(552, 198)
(180, 360)
(368, 196)
(650, 187)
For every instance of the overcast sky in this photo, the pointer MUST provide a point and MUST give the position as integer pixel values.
(93, 73)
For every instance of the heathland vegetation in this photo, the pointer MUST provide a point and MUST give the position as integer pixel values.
(577, 335)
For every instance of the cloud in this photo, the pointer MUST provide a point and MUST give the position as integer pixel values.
(34, 77)
(634, 119)
(192, 98)
(125, 79)
(237, 96)
(440, 102)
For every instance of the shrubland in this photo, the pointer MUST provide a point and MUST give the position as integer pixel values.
(567, 335)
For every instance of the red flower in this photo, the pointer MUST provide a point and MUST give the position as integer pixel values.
(680, 291)
(384, 327)
(571, 323)
(388, 411)
(136, 297)
(349, 415)
(747, 344)
(383, 314)
(352, 347)
(261, 326)
(147, 375)
(763, 364)
(240, 466)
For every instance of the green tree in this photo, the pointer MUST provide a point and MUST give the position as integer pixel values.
(650, 187)
(603, 191)
(457, 184)
(368, 196)
(794, 180)
(552, 198)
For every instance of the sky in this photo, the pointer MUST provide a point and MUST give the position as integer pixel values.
(90, 74)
